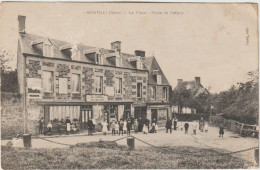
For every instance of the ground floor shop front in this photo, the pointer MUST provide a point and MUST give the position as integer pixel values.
(99, 112)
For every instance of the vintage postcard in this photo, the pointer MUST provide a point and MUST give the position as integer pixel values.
(129, 85)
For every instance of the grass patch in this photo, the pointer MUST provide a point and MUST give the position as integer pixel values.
(109, 155)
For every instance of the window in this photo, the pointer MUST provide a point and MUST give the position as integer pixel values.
(118, 61)
(99, 85)
(75, 78)
(139, 90)
(153, 93)
(118, 85)
(139, 65)
(159, 79)
(165, 93)
(99, 59)
(47, 79)
(63, 85)
(48, 50)
(75, 54)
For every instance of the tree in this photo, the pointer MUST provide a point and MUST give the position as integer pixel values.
(9, 79)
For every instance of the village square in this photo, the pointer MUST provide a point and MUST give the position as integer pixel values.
(69, 104)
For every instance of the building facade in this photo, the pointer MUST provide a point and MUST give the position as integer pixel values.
(60, 79)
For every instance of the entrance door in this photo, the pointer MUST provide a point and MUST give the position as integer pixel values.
(86, 115)
(154, 115)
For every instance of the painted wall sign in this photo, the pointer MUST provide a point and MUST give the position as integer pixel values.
(96, 98)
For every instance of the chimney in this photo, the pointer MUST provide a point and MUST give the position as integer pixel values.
(21, 21)
(197, 80)
(180, 81)
(140, 53)
(116, 46)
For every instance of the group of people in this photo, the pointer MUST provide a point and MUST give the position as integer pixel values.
(69, 126)
(124, 126)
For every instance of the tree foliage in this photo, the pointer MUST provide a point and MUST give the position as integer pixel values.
(240, 102)
(9, 79)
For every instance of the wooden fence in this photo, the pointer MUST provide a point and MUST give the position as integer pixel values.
(241, 128)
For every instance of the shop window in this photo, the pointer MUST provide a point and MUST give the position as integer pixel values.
(47, 79)
(153, 93)
(99, 85)
(162, 114)
(165, 93)
(118, 85)
(139, 90)
(75, 78)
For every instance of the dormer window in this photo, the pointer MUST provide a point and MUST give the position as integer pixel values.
(75, 54)
(159, 79)
(47, 50)
(46, 44)
(99, 59)
(119, 62)
(139, 65)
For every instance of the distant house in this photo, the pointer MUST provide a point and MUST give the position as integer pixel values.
(196, 89)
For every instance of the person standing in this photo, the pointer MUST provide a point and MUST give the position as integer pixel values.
(125, 126)
(41, 126)
(90, 127)
(94, 125)
(140, 124)
(117, 128)
(104, 127)
(67, 125)
(186, 127)
(147, 123)
(194, 125)
(169, 125)
(136, 126)
(175, 123)
(129, 124)
(113, 127)
(221, 131)
(121, 124)
(201, 124)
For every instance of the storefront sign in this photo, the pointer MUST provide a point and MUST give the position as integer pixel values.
(96, 98)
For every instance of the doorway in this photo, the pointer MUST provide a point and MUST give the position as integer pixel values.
(154, 115)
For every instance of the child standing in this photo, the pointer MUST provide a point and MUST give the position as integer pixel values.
(206, 127)
(145, 129)
(221, 131)
(156, 128)
(113, 127)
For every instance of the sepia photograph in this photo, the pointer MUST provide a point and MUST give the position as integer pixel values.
(129, 85)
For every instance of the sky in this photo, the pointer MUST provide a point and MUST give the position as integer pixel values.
(217, 42)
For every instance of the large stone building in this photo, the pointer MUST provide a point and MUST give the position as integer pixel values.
(60, 79)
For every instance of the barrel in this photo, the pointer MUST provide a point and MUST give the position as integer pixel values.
(27, 142)
(130, 143)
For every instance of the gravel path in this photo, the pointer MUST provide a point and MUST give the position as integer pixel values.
(230, 143)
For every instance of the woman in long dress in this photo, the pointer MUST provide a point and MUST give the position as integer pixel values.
(104, 127)
(136, 125)
(125, 126)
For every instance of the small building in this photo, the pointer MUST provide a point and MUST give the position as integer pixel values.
(196, 89)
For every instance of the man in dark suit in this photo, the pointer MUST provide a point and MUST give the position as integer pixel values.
(169, 125)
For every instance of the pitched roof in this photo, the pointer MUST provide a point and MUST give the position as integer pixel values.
(196, 88)
(152, 64)
(29, 43)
